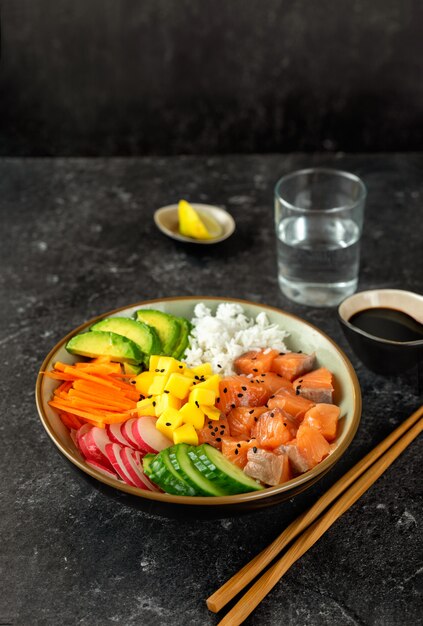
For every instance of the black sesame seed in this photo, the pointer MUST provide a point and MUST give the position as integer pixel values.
(222, 432)
(262, 375)
(236, 451)
(156, 370)
(244, 388)
(213, 434)
(196, 378)
(256, 419)
(217, 399)
(162, 370)
(240, 395)
(297, 391)
(284, 424)
(166, 391)
(218, 439)
(233, 406)
(196, 404)
(238, 445)
(299, 351)
(271, 397)
(281, 353)
(272, 415)
(225, 390)
(181, 367)
(300, 381)
(154, 403)
(168, 424)
(149, 397)
(216, 429)
(255, 369)
(254, 449)
(210, 426)
(133, 382)
(218, 365)
(251, 412)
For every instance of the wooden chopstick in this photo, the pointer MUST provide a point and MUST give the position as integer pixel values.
(268, 580)
(235, 584)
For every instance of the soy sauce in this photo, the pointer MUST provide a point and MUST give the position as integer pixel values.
(388, 324)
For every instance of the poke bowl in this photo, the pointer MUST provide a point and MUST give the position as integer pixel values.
(56, 380)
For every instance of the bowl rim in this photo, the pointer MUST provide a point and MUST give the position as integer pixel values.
(211, 208)
(249, 497)
(363, 333)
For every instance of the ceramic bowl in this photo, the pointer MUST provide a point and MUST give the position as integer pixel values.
(383, 356)
(302, 336)
(166, 220)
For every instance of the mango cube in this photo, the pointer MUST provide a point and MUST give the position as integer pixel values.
(167, 401)
(146, 407)
(205, 369)
(158, 384)
(143, 382)
(202, 396)
(212, 382)
(185, 434)
(168, 422)
(178, 385)
(153, 362)
(167, 365)
(211, 412)
(191, 414)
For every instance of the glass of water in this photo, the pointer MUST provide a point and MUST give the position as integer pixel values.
(318, 221)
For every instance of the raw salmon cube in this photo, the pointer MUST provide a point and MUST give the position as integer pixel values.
(293, 364)
(236, 450)
(312, 445)
(240, 391)
(255, 362)
(273, 382)
(317, 386)
(286, 399)
(213, 431)
(299, 464)
(274, 428)
(324, 417)
(242, 419)
(268, 467)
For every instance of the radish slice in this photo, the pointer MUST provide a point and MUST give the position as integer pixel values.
(103, 470)
(126, 432)
(138, 460)
(115, 435)
(96, 440)
(132, 468)
(113, 451)
(147, 436)
(80, 439)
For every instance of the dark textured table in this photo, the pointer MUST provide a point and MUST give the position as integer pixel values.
(78, 239)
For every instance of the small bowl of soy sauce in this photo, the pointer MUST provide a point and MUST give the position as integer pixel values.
(384, 328)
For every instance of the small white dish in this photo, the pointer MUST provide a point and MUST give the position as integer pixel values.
(166, 220)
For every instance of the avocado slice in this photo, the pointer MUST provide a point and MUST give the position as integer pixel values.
(144, 336)
(166, 326)
(182, 345)
(100, 343)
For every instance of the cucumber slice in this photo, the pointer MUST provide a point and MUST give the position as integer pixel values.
(183, 465)
(161, 471)
(218, 469)
(146, 463)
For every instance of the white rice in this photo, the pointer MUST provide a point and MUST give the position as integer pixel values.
(222, 338)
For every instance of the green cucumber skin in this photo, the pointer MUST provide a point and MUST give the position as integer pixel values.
(231, 484)
(178, 456)
(174, 478)
(159, 473)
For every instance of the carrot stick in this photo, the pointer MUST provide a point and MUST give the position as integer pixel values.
(118, 402)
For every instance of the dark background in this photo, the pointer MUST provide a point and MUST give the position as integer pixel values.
(127, 77)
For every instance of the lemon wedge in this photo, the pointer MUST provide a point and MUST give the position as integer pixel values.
(195, 224)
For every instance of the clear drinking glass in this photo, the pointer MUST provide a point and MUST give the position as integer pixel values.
(318, 221)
